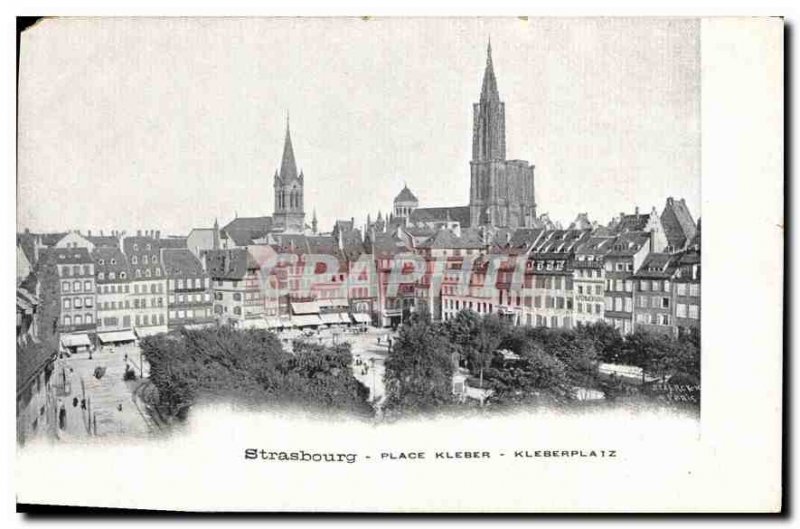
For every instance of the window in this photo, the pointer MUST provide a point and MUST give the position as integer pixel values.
(237, 311)
(78, 320)
(146, 319)
(680, 310)
(694, 312)
(628, 285)
(67, 320)
(134, 260)
(77, 303)
(65, 286)
(644, 286)
(147, 272)
(180, 283)
(694, 289)
(664, 303)
(620, 267)
(666, 286)
(618, 304)
(158, 272)
(580, 307)
(87, 302)
(144, 259)
(111, 275)
(101, 276)
(643, 302)
(664, 319)
(628, 305)
(154, 259)
(87, 286)
(598, 290)
(89, 319)
(76, 286)
(172, 314)
(681, 289)
(67, 303)
(138, 274)
(138, 320)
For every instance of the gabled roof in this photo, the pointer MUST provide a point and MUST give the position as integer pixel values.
(635, 222)
(679, 227)
(524, 237)
(560, 241)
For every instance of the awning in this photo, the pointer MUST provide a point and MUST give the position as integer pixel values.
(331, 318)
(255, 323)
(306, 320)
(360, 317)
(116, 336)
(344, 318)
(305, 307)
(275, 323)
(75, 340)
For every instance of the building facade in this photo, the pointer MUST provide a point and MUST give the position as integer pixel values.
(189, 302)
(148, 284)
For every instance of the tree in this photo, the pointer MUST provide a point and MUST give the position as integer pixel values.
(419, 370)
(251, 367)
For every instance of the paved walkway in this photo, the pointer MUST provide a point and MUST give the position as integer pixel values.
(110, 408)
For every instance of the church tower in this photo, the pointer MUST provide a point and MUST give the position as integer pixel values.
(489, 118)
(501, 190)
(289, 214)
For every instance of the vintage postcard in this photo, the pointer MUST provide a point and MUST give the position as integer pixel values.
(400, 264)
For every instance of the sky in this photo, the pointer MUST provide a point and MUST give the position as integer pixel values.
(169, 123)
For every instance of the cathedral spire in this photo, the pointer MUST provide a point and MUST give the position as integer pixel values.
(288, 165)
(489, 87)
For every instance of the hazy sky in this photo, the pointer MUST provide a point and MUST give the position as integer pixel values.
(169, 123)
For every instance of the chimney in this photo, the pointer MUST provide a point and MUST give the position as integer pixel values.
(88, 233)
(158, 234)
(636, 210)
(138, 233)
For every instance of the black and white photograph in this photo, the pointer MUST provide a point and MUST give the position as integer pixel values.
(426, 249)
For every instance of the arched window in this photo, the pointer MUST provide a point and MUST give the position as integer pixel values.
(67, 320)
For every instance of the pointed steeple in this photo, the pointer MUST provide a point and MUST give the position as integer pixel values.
(314, 223)
(489, 87)
(288, 165)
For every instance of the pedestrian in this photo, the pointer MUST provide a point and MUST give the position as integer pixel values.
(62, 417)
(119, 406)
(83, 404)
(74, 402)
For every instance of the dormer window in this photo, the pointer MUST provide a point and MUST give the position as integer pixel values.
(147, 272)
(122, 275)
(135, 247)
(144, 259)
(112, 276)
(134, 260)
(113, 261)
(101, 261)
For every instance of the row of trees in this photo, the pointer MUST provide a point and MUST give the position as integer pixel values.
(549, 366)
(251, 367)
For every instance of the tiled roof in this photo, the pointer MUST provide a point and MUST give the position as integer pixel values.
(560, 241)
(595, 245)
(180, 262)
(658, 265)
(629, 243)
(249, 227)
(459, 214)
(103, 241)
(66, 255)
(446, 239)
(524, 237)
(140, 248)
(172, 242)
(679, 227)
(635, 222)
(385, 244)
(110, 259)
(229, 264)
